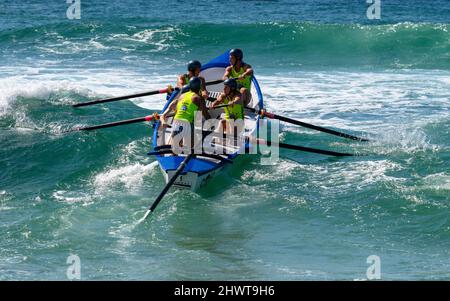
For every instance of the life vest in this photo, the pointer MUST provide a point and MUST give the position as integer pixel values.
(233, 112)
(246, 82)
(186, 108)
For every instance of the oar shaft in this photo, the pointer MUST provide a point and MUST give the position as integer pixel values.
(313, 150)
(317, 128)
(307, 125)
(172, 180)
(117, 123)
(120, 98)
(219, 106)
(214, 82)
(304, 148)
(166, 90)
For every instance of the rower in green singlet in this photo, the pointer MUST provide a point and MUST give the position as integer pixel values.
(242, 72)
(234, 111)
(185, 108)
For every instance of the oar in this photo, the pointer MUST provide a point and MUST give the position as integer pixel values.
(306, 125)
(117, 123)
(172, 180)
(168, 89)
(218, 106)
(304, 149)
(167, 149)
(89, 103)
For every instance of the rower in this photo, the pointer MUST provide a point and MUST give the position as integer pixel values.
(185, 107)
(241, 71)
(234, 111)
(193, 68)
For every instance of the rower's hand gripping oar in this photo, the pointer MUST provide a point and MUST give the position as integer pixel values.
(172, 180)
(167, 90)
(219, 106)
(117, 123)
(263, 113)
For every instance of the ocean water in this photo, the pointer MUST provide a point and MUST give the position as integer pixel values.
(309, 217)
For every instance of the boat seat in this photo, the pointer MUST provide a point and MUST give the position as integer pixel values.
(212, 96)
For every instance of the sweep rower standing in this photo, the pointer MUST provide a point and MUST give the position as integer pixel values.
(193, 68)
(241, 71)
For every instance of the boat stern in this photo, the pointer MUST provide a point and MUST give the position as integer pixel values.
(195, 175)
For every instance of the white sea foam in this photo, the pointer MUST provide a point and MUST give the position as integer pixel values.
(97, 45)
(439, 181)
(61, 46)
(161, 38)
(39, 87)
(402, 138)
(130, 176)
(350, 175)
(72, 197)
(296, 200)
(281, 171)
(135, 151)
(368, 172)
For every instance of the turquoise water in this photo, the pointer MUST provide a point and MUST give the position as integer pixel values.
(309, 217)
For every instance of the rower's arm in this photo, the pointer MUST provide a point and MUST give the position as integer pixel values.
(248, 71)
(169, 109)
(218, 101)
(201, 105)
(181, 81)
(237, 100)
(204, 91)
(227, 73)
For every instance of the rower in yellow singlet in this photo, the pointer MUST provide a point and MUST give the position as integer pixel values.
(242, 72)
(234, 111)
(185, 108)
(193, 68)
